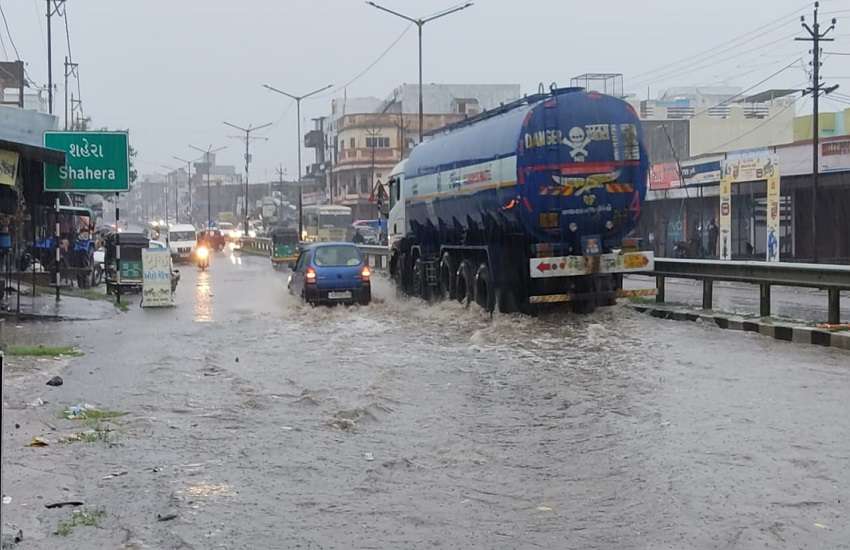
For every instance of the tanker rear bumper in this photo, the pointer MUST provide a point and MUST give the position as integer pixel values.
(602, 264)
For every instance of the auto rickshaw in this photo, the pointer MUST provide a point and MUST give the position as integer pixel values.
(284, 246)
(130, 279)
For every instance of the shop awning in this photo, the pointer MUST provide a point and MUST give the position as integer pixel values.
(34, 153)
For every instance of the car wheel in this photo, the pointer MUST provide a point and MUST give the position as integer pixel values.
(365, 298)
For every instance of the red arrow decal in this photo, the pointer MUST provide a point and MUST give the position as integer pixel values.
(543, 267)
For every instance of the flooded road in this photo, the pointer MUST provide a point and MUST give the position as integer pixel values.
(263, 423)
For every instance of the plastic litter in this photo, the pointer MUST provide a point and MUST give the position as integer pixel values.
(7, 499)
(166, 517)
(55, 381)
(369, 457)
(78, 411)
(115, 474)
(38, 442)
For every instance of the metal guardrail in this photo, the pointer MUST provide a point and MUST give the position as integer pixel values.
(378, 257)
(832, 278)
(260, 245)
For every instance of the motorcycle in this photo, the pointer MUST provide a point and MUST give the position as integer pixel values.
(202, 257)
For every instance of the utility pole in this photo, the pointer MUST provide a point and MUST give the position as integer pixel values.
(248, 139)
(52, 9)
(208, 161)
(298, 109)
(419, 24)
(189, 180)
(280, 173)
(816, 89)
(70, 69)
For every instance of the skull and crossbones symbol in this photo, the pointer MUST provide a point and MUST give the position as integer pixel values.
(577, 139)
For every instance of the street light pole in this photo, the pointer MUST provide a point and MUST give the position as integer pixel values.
(298, 110)
(419, 24)
(188, 180)
(248, 138)
(207, 152)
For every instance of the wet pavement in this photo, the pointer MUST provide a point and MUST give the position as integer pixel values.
(263, 423)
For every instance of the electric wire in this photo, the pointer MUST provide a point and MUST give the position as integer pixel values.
(9, 34)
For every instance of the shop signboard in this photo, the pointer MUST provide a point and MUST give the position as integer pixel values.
(663, 175)
(156, 278)
(8, 167)
(701, 172)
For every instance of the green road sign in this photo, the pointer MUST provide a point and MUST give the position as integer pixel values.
(94, 162)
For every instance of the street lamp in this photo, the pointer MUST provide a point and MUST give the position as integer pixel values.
(207, 152)
(248, 138)
(189, 179)
(168, 178)
(298, 108)
(419, 24)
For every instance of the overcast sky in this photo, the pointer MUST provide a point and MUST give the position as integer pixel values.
(171, 71)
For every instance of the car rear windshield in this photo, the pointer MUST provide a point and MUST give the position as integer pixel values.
(182, 235)
(327, 256)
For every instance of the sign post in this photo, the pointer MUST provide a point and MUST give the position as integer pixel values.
(95, 162)
(725, 224)
(772, 219)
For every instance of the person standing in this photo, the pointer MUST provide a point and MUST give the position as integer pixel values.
(713, 234)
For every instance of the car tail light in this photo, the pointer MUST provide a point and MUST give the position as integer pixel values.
(310, 275)
(365, 273)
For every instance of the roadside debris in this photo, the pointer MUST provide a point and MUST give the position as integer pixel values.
(115, 474)
(166, 517)
(55, 381)
(7, 499)
(11, 537)
(77, 411)
(369, 457)
(79, 518)
(38, 442)
(63, 503)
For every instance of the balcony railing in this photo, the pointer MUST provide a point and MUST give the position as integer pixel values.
(364, 154)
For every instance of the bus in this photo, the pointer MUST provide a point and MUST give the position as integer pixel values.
(326, 222)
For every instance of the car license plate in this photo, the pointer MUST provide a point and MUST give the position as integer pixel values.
(345, 295)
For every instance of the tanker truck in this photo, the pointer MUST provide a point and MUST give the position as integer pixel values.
(528, 204)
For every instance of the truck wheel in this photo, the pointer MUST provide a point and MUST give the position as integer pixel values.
(447, 279)
(465, 283)
(484, 292)
(420, 285)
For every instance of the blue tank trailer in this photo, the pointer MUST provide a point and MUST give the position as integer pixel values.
(532, 203)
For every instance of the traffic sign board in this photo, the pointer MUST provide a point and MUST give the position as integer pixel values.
(94, 162)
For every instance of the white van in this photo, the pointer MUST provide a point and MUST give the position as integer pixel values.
(182, 240)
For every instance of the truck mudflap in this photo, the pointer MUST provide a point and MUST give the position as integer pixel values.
(575, 266)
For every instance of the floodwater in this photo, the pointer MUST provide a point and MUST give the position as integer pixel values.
(264, 423)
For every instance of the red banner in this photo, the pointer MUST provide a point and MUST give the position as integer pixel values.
(664, 175)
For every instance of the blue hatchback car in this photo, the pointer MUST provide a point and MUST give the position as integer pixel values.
(331, 273)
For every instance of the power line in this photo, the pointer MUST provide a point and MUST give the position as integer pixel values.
(719, 148)
(368, 67)
(9, 34)
(729, 44)
(704, 64)
(742, 92)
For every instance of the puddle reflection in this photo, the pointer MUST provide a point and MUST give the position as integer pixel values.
(203, 298)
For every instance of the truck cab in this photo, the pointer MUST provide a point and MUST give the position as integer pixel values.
(396, 220)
